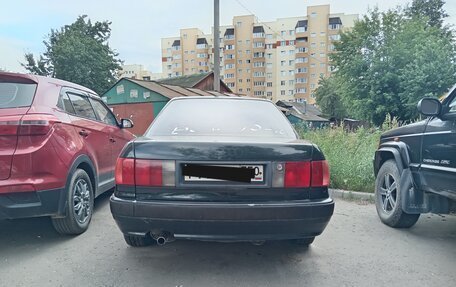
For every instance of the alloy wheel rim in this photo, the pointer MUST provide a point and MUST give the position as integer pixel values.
(388, 193)
(81, 200)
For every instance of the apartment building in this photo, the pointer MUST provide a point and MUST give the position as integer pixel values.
(278, 60)
(135, 71)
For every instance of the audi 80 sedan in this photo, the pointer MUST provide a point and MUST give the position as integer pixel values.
(222, 169)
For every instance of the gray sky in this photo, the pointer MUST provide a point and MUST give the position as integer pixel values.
(137, 26)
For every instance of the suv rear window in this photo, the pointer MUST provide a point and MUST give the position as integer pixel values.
(16, 95)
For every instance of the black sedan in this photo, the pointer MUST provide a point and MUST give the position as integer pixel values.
(223, 169)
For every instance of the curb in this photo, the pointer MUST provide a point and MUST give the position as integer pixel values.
(346, 194)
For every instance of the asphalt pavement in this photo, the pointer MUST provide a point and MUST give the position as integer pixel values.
(355, 250)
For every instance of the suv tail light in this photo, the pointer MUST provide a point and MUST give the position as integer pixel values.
(145, 172)
(27, 125)
(306, 174)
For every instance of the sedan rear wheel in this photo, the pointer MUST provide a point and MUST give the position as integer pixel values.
(388, 197)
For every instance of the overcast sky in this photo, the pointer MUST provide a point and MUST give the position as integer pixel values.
(137, 26)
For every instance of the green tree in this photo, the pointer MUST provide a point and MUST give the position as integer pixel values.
(389, 61)
(431, 9)
(78, 53)
(329, 97)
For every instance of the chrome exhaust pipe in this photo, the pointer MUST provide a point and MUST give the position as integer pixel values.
(162, 238)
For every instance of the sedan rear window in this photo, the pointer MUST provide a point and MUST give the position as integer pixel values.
(221, 117)
(16, 95)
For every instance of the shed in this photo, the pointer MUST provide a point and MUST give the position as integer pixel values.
(302, 113)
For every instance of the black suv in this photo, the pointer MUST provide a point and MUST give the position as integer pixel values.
(415, 165)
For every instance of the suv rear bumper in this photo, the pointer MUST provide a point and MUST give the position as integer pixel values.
(224, 221)
(31, 204)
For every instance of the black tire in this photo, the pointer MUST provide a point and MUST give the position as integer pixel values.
(79, 205)
(388, 197)
(304, 241)
(138, 241)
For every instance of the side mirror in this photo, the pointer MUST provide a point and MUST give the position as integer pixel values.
(126, 123)
(429, 107)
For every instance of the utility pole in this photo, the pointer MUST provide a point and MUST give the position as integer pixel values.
(216, 45)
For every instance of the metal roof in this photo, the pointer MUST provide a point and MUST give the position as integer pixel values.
(258, 29)
(301, 23)
(185, 81)
(335, 20)
(229, 31)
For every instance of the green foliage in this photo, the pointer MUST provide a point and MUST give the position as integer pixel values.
(78, 53)
(386, 63)
(349, 155)
(431, 9)
(328, 97)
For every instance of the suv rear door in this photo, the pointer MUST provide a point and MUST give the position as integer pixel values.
(94, 135)
(438, 166)
(16, 97)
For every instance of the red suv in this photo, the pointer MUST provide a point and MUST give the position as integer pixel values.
(58, 147)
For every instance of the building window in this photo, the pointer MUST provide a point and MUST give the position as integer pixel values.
(313, 34)
(334, 26)
(313, 14)
(248, 72)
(291, 32)
(268, 36)
(258, 55)
(258, 84)
(239, 71)
(227, 56)
(302, 60)
(258, 44)
(301, 70)
(269, 75)
(322, 55)
(282, 63)
(240, 80)
(258, 35)
(269, 55)
(290, 62)
(283, 33)
(269, 94)
(269, 46)
(239, 24)
(202, 55)
(313, 45)
(291, 52)
(239, 42)
(290, 92)
(291, 82)
(313, 75)
(312, 86)
(283, 43)
(283, 73)
(282, 83)
(301, 29)
(258, 93)
(258, 64)
(301, 90)
(229, 47)
(301, 50)
(282, 92)
(247, 51)
(334, 37)
(258, 74)
(229, 66)
(301, 80)
(269, 66)
(248, 80)
(229, 76)
(201, 46)
(247, 61)
(230, 85)
(291, 72)
(269, 84)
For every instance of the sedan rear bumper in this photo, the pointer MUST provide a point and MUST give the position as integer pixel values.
(224, 221)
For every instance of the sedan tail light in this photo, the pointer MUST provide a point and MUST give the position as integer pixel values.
(301, 174)
(27, 125)
(145, 172)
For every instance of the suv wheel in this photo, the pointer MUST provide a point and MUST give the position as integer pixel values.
(79, 207)
(388, 197)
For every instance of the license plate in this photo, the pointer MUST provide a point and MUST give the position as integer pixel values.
(259, 174)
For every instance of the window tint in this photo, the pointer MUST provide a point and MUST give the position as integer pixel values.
(65, 104)
(82, 106)
(221, 117)
(453, 105)
(16, 95)
(103, 113)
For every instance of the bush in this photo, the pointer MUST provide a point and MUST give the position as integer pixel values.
(349, 155)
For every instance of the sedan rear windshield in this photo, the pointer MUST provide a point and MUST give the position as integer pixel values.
(16, 95)
(221, 117)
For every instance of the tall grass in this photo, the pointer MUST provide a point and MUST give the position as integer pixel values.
(349, 155)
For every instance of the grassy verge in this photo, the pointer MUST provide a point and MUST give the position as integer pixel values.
(349, 155)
